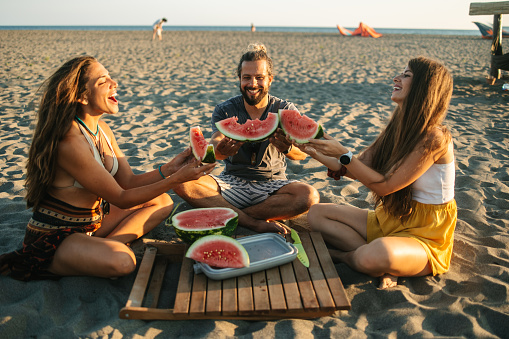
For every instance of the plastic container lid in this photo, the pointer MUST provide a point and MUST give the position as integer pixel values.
(265, 251)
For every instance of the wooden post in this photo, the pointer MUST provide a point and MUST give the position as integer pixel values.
(496, 46)
(497, 9)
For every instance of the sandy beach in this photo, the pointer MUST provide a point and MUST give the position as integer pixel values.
(342, 82)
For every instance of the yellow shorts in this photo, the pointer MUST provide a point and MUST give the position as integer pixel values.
(431, 225)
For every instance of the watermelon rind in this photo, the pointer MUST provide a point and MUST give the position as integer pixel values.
(242, 137)
(210, 155)
(190, 235)
(210, 250)
(317, 135)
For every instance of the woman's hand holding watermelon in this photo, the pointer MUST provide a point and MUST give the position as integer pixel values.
(192, 170)
(325, 151)
(306, 148)
(329, 147)
(176, 163)
(185, 167)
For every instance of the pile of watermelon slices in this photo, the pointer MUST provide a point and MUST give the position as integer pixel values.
(208, 231)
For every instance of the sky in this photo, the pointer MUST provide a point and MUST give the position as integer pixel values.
(431, 14)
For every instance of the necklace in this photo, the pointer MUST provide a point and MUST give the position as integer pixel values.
(88, 129)
(97, 138)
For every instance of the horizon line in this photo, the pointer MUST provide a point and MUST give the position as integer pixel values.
(258, 26)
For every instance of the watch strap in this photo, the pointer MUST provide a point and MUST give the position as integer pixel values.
(348, 155)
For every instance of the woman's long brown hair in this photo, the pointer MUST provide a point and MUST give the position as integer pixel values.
(58, 106)
(423, 110)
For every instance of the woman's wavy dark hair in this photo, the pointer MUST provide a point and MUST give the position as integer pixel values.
(423, 110)
(58, 106)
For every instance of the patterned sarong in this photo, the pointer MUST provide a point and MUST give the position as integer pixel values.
(50, 224)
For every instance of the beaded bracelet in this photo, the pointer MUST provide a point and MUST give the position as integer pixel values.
(161, 172)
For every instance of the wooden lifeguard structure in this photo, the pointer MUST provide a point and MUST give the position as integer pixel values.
(496, 9)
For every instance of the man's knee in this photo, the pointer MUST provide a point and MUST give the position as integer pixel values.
(307, 195)
(182, 189)
(197, 189)
(314, 196)
(189, 189)
(164, 200)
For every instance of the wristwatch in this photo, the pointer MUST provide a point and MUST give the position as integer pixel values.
(346, 158)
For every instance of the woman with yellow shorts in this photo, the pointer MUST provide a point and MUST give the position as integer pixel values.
(410, 171)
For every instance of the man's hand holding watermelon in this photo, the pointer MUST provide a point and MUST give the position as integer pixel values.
(284, 145)
(227, 147)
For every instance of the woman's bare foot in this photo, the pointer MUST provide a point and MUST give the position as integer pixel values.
(338, 256)
(388, 281)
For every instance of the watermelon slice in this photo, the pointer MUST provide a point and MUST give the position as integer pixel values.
(299, 127)
(202, 150)
(219, 251)
(193, 224)
(252, 130)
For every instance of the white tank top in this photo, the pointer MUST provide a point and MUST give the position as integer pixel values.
(436, 185)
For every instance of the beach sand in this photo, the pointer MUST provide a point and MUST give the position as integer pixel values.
(343, 82)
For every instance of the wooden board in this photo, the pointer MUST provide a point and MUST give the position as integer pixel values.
(489, 8)
(286, 291)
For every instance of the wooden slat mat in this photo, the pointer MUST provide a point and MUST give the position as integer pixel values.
(286, 291)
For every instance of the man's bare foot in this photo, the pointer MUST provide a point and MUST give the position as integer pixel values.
(262, 226)
(281, 227)
(387, 281)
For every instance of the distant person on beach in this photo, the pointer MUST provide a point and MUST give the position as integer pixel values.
(87, 202)
(158, 29)
(254, 181)
(253, 28)
(410, 172)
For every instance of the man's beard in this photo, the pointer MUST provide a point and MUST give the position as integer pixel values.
(256, 100)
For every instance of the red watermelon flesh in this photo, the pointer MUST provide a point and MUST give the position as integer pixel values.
(251, 130)
(299, 127)
(198, 142)
(200, 147)
(204, 218)
(219, 251)
(193, 224)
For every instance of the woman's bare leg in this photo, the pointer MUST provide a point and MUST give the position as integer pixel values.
(126, 225)
(345, 227)
(81, 254)
(105, 254)
(342, 226)
(388, 258)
